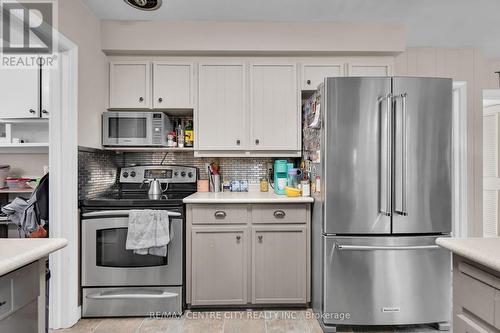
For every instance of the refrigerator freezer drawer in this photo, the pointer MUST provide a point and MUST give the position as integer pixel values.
(386, 281)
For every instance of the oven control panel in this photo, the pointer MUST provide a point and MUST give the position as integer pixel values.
(164, 173)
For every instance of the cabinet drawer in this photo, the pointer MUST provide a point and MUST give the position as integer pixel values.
(477, 297)
(464, 324)
(219, 214)
(285, 213)
(5, 296)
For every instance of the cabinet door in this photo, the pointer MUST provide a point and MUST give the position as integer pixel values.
(172, 85)
(219, 265)
(45, 93)
(279, 264)
(130, 85)
(20, 93)
(314, 74)
(370, 70)
(274, 111)
(222, 107)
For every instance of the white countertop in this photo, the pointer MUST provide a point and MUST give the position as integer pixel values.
(17, 252)
(484, 251)
(244, 197)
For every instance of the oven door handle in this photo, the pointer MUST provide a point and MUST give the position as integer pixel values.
(108, 213)
(126, 295)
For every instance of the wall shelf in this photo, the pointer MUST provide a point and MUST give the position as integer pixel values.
(30, 147)
(25, 121)
(15, 190)
(149, 149)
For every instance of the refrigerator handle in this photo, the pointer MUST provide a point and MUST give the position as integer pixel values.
(404, 157)
(388, 165)
(342, 247)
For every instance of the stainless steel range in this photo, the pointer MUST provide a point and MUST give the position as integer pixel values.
(117, 282)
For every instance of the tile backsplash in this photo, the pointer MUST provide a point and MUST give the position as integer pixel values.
(97, 169)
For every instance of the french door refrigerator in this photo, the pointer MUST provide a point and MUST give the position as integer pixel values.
(385, 196)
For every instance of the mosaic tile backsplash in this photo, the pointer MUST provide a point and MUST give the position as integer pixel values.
(97, 169)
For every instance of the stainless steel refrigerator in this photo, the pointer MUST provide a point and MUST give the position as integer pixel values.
(384, 165)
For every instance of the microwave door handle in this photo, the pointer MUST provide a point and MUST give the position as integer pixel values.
(132, 295)
(108, 213)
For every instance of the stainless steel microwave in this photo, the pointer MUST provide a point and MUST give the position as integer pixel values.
(135, 128)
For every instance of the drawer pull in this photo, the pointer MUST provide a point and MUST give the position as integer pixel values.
(3, 303)
(238, 238)
(220, 214)
(260, 237)
(279, 214)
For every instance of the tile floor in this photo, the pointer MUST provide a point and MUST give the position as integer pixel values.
(221, 322)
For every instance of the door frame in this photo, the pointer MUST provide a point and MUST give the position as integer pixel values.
(460, 227)
(64, 310)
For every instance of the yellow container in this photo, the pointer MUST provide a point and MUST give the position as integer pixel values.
(292, 192)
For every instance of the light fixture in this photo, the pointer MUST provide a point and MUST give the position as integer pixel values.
(144, 4)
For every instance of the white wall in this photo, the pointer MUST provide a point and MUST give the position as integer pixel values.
(29, 165)
(198, 37)
(82, 27)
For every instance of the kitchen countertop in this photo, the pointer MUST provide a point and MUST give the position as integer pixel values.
(17, 252)
(243, 197)
(484, 251)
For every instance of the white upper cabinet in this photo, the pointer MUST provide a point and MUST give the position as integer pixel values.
(369, 69)
(314, 74)
(222, 115)
(274, 108)
(172, 85)
(20, 93)
(130, 85)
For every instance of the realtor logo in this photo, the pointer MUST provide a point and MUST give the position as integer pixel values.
(27, 27)
(27, 32)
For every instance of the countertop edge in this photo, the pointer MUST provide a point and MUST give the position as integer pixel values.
(36, 252)
(464, 251)
(250, 200)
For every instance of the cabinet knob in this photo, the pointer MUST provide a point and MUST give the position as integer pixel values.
(279, 214)
(308, 82)
(32, 111)
(238, 142)
(238, 238)
(257, 141)
(220, 214)
(45, 111)
(141, 99)
(160, 100)
(260, 238)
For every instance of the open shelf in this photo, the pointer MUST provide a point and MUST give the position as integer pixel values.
(15, 190)
(29, 147)
(25, 121)
(148, 149)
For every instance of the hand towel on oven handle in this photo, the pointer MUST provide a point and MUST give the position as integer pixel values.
(148, 232)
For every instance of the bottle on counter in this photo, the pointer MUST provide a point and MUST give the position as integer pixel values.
(189, 134)
(180, 134)
(264, 185)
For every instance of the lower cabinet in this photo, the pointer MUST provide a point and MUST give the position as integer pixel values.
(279, 261)
(247, 259)
(219, 265)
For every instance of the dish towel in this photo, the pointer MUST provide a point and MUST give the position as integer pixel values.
(148, 232)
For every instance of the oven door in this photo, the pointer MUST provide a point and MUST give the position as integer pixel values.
(106, 262)
(127, 129)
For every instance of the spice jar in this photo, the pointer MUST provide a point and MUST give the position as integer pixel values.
(264, 185)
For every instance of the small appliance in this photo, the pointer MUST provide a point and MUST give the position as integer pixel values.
(280, 176)
(135, 128)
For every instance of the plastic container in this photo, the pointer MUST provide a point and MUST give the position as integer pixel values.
(292, 192)
(17, 182)
(293, 178)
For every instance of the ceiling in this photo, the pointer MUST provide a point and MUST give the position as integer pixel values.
(433, 23)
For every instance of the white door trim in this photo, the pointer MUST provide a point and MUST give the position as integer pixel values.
(460, 191)
(64, 310)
